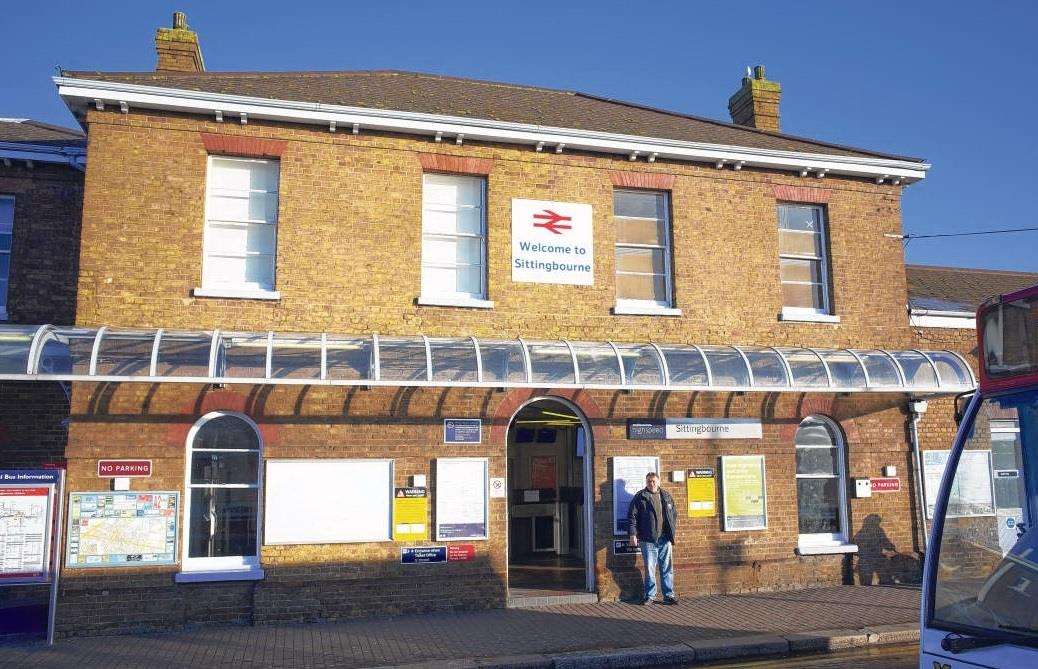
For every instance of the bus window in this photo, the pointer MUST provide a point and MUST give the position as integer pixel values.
(986, 577)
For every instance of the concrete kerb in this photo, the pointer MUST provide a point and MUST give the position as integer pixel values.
(694, 652)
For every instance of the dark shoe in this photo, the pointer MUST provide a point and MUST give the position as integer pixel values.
(670, 600)
(646, 601)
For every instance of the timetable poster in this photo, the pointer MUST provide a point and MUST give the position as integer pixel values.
(745, 498)
(628, 478)
(461, 498)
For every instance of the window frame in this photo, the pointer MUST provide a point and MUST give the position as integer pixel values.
(455, 298)
(5, 295)
(819, 541)
(234, 567)
(210, 289)
(633, 306)
(824, 265)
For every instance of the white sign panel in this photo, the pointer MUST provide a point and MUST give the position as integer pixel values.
(326, 501)
(461, 498)
(552, 242)
(628, 478)
(971, 492)
(25, 517)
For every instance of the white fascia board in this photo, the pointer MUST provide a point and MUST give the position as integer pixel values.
(43, 153)
(946, 320)
(152, 97)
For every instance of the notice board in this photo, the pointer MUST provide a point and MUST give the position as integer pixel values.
(628, 478)
(972, 492)
(462, 489)
(326, 501)
(122, 529)
(745, 495)
(26, 520)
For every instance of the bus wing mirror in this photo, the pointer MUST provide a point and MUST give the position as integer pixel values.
(962, 401)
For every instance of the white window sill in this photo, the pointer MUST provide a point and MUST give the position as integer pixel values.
(807, 317)
(219, 575)
(238, 293)
(826, 549)
(635, 309)
(454, 301)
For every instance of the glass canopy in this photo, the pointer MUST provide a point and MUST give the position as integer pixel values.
(50, 353)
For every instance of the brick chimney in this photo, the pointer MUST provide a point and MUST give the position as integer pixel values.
(756, 104)
(177, 47)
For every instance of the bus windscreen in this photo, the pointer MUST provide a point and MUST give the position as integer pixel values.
(1009, 336)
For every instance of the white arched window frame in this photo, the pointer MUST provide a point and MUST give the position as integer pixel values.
(812, 467)
(225, 567)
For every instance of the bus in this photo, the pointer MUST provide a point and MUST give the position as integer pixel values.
(980, 581)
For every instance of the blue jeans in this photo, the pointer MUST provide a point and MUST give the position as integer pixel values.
(658, 553)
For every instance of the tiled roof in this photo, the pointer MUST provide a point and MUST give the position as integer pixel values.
(36, 132)
(470, 98)
(960, 288)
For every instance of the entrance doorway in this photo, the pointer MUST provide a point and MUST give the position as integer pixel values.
(550, 533)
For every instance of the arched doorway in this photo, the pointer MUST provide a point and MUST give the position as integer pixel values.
(550, 499)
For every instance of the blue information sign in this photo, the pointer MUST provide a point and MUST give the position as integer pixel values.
(423, 554)
(43, 476)
(462, 430)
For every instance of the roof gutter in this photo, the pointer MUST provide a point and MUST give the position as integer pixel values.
(79, 93)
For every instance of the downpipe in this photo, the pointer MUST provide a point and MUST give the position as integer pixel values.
(917, 408)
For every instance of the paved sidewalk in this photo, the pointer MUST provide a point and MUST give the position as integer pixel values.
(603, 634)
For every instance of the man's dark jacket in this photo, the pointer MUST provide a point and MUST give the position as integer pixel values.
(642, 521)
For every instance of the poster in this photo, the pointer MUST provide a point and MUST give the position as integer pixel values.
(971, 492)
(701, 486)
(410, 514)
(25, 533)
(462, 430)
(542, 471)
(552, 242)
(461, 498)
(628, 478)
(745, 497)
(122, 529)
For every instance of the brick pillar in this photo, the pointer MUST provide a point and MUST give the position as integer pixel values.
(756, 104)
(177, 47)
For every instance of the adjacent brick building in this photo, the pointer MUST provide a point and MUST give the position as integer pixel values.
(544, 261)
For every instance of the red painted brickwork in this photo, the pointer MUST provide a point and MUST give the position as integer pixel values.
(788, 193)
(249, 147)
(642, 180)
(438, 162)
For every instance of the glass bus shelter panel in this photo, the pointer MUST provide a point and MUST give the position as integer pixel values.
(402, 359)
(846, 370)
(806, 367)
(125, 353)
(295, 357)
(642, 365)
(597, 363)
(350, 358)
(551, 362)
(880, 368)
(184, 354)
(953, 372)
(767, 367)
(79, 342)
(918, 372)
(15, 343)
(686, 366)
(503, 361)
(242, 355)
(727, 366)
(454, 360)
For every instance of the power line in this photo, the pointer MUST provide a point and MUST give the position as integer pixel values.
(910, 237)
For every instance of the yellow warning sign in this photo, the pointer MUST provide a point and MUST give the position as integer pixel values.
(701, 485)
(410, 514)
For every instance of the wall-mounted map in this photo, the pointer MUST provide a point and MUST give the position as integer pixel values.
(122, 529)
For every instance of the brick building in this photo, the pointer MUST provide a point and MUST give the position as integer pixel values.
(349, 315)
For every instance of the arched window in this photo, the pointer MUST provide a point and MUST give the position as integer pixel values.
(223, 496)
(821, 483)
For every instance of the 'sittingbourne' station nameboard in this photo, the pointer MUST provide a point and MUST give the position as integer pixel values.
(694, 428)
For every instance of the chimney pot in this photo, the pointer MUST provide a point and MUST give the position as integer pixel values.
(756, 103)
(177, 47)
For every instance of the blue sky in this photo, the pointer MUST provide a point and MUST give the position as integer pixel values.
(952, 82)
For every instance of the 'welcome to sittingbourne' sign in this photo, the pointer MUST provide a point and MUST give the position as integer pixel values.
(694, 428)
(552, 242)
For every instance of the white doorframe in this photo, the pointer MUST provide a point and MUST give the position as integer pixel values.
(589, 492)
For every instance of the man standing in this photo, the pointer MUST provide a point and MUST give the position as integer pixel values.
(652, 521)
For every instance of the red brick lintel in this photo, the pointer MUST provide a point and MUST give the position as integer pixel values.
(247, 147)
(438, 162)
(652, 180)
(801, 194)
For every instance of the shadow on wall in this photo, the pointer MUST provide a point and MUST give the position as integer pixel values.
(879, 561)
